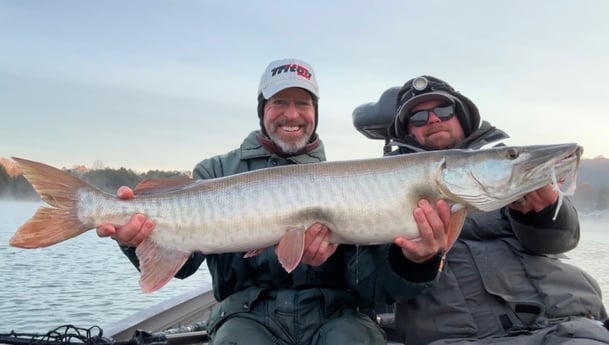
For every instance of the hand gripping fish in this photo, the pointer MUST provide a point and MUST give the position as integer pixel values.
(363, 202)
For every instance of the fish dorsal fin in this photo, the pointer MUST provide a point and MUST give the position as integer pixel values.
(10, 167)
(290, 248)
(162, 185)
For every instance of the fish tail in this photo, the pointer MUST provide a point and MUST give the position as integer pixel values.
(49, 226)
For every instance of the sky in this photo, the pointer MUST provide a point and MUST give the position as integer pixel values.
(150, 84)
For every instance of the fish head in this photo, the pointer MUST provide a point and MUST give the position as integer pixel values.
(489, 179)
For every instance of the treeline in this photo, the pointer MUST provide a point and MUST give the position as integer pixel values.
(588, 198)
(108, 180)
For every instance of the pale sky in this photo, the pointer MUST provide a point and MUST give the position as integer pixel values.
(155, 84)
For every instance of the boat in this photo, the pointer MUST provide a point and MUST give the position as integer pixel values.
(181, 320)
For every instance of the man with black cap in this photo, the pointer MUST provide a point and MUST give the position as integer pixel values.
(502, 282)
(324, 300)
(431, 115)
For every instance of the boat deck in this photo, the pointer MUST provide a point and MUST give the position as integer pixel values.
(177, 321)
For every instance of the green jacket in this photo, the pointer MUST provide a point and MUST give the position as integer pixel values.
(231, 273)
(353, 276)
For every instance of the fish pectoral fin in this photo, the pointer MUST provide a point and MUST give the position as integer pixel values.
(455, 224)
(252, 253)
(158, 264)
(290, 248)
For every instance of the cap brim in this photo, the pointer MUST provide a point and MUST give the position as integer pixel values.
(416, 100)
(269, 92)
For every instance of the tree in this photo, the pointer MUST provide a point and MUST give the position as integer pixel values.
(602, 201)
(4, 182)
(110, 179)
(98, 164)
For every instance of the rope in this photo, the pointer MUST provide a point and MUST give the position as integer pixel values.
(62, 335)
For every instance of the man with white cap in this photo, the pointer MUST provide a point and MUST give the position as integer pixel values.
(325, 299)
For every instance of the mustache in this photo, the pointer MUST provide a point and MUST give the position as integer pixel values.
(436, 127)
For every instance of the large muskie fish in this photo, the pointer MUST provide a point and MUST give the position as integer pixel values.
(363, 202)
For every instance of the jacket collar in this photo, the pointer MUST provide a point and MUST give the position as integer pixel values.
(485, 134)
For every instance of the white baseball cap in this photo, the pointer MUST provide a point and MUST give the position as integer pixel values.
(286, 73)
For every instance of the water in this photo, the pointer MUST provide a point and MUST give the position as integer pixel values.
(87, 281)
(592, 253)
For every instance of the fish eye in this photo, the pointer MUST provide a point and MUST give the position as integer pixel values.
(512, 154)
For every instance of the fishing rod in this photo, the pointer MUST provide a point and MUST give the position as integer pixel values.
(71, 335)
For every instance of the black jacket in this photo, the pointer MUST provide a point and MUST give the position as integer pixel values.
(502, 274)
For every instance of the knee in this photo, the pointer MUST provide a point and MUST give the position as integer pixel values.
(355, 329)
(239, 330)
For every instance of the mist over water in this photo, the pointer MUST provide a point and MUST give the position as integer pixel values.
(592, 253)
(87, 281)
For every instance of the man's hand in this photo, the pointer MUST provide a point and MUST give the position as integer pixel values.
(317, 245)
(536, 200)
(433, 230)
(132, 233)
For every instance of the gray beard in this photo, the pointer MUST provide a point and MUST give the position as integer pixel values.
(290, 148)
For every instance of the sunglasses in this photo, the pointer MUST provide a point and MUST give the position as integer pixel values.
(420, 117)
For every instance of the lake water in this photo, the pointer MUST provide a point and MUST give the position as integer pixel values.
(87, 281)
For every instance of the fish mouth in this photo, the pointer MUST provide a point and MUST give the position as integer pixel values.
(557, 163)
(499, 176)
(569, 163)
(561, 159)
(543, 164)
(566, 169)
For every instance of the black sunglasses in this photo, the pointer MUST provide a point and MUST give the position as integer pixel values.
(420, 117)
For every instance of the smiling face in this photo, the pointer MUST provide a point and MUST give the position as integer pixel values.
(436, 134)
(289, 119)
